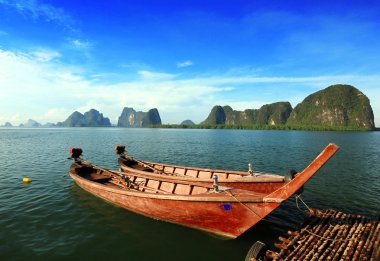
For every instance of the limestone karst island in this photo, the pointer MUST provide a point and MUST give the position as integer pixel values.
(337, 107)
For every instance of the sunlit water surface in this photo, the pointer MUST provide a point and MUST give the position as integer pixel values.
(52, 218)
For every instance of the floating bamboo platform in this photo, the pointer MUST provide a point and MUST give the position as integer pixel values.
(327, 235)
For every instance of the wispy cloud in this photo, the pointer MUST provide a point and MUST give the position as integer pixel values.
(45, 55)
(77, 43)
(149, 75)
(186, 63)
(38, 10)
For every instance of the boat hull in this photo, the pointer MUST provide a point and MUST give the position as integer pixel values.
(228, 218)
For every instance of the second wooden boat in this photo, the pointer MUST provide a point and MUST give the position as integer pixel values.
(251, 180)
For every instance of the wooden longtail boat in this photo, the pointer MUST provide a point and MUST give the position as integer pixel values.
(219, 210)
(251, 180)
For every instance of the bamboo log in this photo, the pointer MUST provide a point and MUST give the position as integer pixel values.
(331, 235)
(376, 246)
(340, 228)
(300, 242)
(323, 248)
(284, 240)
(270, 255)
(373, 240)
(362, 240)
(297, 235)
(347, 233)
(295, 255)
(351, 244)
(280, 246)
(364, 251)
(303, 252)
(343, 227)
(319, 240)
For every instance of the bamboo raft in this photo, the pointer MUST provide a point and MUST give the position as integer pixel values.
(326, 235)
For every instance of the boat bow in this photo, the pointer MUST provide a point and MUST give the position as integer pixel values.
(301, 178)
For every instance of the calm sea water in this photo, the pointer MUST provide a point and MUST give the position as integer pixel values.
(52, 218)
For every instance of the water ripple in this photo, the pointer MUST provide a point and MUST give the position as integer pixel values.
(52, 218)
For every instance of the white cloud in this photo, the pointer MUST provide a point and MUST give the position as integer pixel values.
(184, 63)
(53, 115)
(14, 119)
(50, 91)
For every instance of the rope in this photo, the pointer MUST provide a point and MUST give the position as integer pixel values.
(309, 209)
(330, 239)
(299, 197)
(144, 164)
(321, 216)
(232, 195)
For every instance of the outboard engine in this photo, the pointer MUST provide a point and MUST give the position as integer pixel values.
(75, 153)
(289, 176)
(119, 149)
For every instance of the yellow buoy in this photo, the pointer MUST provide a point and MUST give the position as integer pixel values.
(26, 180)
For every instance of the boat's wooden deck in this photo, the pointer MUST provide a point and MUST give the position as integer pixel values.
(155, 184)
(144, 184)
(193, 171)
(196, 173)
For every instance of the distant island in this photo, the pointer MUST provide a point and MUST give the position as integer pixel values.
(130, 118)
(269, 114)
(187, 122)
(30, 124)
(337, 107)
(92, 118)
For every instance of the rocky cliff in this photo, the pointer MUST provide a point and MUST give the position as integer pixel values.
(336, 106)
(269, 114)
(137, 119)
(216, 116)
(92, 118)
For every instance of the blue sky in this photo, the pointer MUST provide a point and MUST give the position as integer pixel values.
(182, 57)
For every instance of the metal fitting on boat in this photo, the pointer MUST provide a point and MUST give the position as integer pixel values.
(250, 168)
(215, 185)
(119, 149)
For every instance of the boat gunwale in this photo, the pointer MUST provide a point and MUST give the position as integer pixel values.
(242, 173)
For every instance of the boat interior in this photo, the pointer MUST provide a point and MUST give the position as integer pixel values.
(137, 182)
